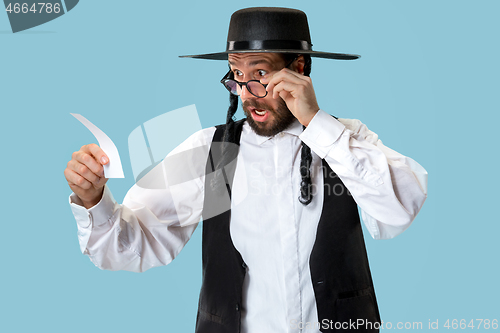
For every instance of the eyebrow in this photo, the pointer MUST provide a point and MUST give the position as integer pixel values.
(253, 63)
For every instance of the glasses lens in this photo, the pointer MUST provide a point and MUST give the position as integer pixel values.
(257, 88)
(232, 86)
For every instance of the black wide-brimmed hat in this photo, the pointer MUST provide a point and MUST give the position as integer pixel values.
(270, 29)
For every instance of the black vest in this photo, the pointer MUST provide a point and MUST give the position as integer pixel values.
(339, 267)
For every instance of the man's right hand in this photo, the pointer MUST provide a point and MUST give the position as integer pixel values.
(85, 174)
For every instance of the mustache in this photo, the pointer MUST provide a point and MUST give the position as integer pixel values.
(255, 104)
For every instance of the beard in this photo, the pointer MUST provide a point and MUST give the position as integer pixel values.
(282, 117)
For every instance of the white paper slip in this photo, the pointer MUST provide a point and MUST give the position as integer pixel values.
(114, 168)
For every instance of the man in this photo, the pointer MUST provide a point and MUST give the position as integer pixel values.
(285, 251)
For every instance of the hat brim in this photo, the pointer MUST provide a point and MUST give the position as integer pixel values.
(317, 54)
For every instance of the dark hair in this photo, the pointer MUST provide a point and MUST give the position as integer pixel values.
(307, 59)
(228, 153)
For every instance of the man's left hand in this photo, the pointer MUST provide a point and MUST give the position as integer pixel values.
(297, 92)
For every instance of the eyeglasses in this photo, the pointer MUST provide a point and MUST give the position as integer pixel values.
(254, 87)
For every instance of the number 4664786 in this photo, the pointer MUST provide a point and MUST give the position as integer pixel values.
(35, 8)
(462, 324)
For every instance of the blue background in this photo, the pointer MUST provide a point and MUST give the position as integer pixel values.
(427, 83)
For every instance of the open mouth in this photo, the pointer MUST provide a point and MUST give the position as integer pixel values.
(259, 114)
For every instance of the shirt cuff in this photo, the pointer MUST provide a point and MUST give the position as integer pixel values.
(96, 215)
(322, 132)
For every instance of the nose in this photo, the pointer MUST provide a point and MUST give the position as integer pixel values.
(245, 94)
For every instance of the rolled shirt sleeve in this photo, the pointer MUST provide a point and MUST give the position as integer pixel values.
(389, 188)
(158, 215)
(102, 212)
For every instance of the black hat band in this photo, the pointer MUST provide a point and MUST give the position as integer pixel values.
(268, 45)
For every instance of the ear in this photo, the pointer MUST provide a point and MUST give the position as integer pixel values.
(299, 64)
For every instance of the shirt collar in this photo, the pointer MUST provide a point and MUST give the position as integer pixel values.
(294, 129)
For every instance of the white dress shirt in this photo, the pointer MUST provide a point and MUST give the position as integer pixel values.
(271, 229)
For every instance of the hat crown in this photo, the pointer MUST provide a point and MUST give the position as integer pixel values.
(268, 23)
(270, 29)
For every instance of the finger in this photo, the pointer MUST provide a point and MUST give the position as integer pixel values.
(283, 76)
(96, 152)
(294, 73)
(89, 161)
(76, 181)
(83, 171)
(288, 87)
(285, 72)
(285, 95)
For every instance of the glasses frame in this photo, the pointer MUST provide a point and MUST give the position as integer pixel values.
(241, 84)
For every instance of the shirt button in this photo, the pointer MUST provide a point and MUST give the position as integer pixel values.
(244, 265)
(237, 307)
